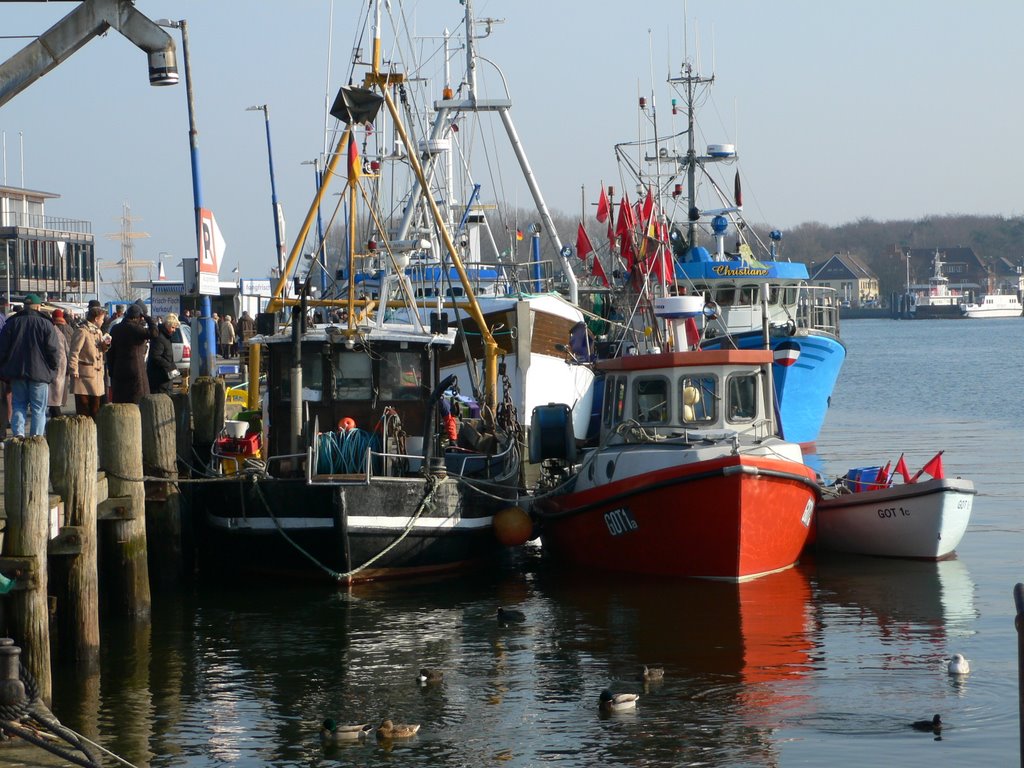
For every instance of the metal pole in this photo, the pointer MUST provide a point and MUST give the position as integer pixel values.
(278, 239)
(206, 342)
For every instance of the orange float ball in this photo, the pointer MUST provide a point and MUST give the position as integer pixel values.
(513, 526)
(347, 424)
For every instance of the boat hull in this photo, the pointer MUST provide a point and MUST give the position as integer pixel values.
(918, 520)
(320, 531)
(731, 518)
(937, 312)
(805, 372)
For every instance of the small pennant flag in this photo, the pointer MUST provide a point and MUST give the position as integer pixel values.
(933, 468)
(901, 467)
(583, 246)
(787, 353)
(598, 271)
(519, 234)
(603, 207)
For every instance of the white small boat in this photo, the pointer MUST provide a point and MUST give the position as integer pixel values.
(922, 520)
(993, 305)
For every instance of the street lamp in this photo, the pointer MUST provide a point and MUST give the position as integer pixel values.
(206, 343)
(279, 238)
(321, 248)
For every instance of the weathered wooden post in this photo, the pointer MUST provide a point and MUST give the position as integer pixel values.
(183, 427)
(27, 502)
(73, 475)
(207, 415)
(124, 559)
(163, 499)
(1018, 623)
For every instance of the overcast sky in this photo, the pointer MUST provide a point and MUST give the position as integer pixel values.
(839, 110)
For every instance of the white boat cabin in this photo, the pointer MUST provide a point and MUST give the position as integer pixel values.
(676, 393)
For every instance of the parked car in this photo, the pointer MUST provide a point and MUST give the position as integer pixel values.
(181, 344)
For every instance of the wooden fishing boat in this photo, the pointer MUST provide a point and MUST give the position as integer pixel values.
(364, 468)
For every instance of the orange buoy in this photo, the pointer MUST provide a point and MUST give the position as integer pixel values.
(347, 424)
(512, 526)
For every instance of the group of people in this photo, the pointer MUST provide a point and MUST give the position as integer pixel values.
(232, 336)
(123, 358)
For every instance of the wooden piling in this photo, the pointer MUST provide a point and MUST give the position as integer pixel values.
(183, 427)
(27, 503)
(123, 540)
(72, 443)
(207, 409)
(163, 499)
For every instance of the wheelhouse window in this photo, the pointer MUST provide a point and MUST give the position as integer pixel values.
(651, 400)
(401, 376)
(614, 407)
(726, 297)
(748, 295)
(353, 375)
(742, 397)
(312, 374)
(698, 396)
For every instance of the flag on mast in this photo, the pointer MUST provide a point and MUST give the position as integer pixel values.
(583, 245)
(603, 208)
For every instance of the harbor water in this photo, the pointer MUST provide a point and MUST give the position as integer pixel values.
(825, 663)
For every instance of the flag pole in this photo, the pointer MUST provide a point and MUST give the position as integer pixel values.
(921, 470)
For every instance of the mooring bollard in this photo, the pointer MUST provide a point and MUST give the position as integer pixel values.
(27, 502)
(207, 416)
(123, 539)
(12, 689)
(73, 475)
(1018, 622)
(163, 499)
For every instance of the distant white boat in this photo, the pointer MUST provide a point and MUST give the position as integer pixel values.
(994, 305)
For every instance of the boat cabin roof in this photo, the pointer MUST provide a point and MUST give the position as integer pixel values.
(698, 358)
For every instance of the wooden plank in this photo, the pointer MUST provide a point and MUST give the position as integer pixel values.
(68, 542)
(117, 508)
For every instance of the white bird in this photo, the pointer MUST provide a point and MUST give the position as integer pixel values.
(958, 665)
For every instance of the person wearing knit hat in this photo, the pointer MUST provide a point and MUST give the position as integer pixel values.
(126, 359)
(58, 394)
(29, 360)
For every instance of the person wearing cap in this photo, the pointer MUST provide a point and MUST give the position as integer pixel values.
(29, 358)
(58, 394)
(127, 356)
(160, 367)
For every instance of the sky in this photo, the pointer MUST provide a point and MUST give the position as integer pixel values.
(839, 110)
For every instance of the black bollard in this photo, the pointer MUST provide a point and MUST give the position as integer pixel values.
(12, 689)
(1018, 622)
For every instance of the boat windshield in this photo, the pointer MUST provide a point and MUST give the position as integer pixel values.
(698, 394)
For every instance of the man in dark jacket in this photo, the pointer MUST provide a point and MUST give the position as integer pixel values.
(160, 367)
(126, 359)
(28, 360)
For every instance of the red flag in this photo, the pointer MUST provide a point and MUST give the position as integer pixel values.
(611, 236)
(648, 207)
(737, 192)
(598, 271)
(901, 467)
(933, 468)
(626, 221)
(583, 246)
(603, 208)
(626, 249)
(692, 332)
(882, 480)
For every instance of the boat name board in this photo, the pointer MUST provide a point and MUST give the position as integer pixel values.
(724, 270)
(620, 521)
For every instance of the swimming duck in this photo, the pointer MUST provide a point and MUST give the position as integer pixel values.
(390, 730)
(934, 725)
(509, 616)
(618, 702)
(430, 675)
(332, 733)
(958, 665)
(651, 674)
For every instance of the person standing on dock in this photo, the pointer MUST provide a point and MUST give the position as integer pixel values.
(127, 356)
(58, 393)
(29, 352)
(87, 364)
(227, 336)
(160, 367)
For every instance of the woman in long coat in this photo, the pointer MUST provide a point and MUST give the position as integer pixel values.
(127, 356)
(87, 364)
(57, 394)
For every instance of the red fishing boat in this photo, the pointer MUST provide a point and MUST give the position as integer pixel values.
(690, 476)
